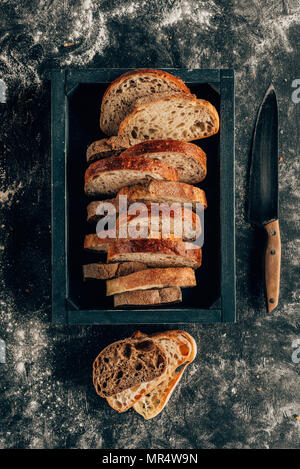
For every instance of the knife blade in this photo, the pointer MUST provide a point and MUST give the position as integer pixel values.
(263, 191)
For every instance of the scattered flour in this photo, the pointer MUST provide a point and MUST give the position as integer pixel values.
(6, 197)
(199, 14)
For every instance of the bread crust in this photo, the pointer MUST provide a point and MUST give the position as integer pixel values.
(102, 271)
(178, 190)
(148, 71)
(152, 278)
(148, 297)
(166, 145)
(159, 246)
(117, 163)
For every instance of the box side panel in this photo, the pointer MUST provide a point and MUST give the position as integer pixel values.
(59, 313)
(228, 292)
(74, 77)
(150, 316)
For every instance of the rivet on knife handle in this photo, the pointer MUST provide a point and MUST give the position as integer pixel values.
(272, 264)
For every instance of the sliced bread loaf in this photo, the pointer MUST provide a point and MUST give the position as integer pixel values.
(180, 222)
(101, 271)
(148, 297)
(152, 278)
(93, 243)
(188, 159)
(178, 348)
(119, 98)
(153, 191)
(184, 118)
(109, 175)
(164, 191)
(128, 363)
(156, 252)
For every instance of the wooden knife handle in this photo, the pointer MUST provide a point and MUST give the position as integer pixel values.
(272, 264)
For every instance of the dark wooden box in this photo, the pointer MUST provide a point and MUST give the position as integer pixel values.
(76, 98)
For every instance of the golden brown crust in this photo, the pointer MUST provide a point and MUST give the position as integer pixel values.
(188, 150)
(166, 145)
(117, 163)
(92, 242)
(178, 190)
(154, 278)
(146, 71)
(161, 246)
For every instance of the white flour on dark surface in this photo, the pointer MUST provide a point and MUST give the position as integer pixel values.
(242, 391)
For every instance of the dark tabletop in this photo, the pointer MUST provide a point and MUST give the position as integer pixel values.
(242, 390)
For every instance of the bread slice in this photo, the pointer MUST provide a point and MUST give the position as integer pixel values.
(178, 346)
(153, 191)
(101, 149)
(178, 117)
(152, 278)
(154, 402)
(94, 207)
(127, 363)
(109, 175)
(179, 222)
(93, 243)
(119, 99)
(101, 271)
(164, 191)
(148, 297)
(188, 159)
(156, 252)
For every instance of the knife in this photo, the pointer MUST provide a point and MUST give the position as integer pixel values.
(263, 191)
